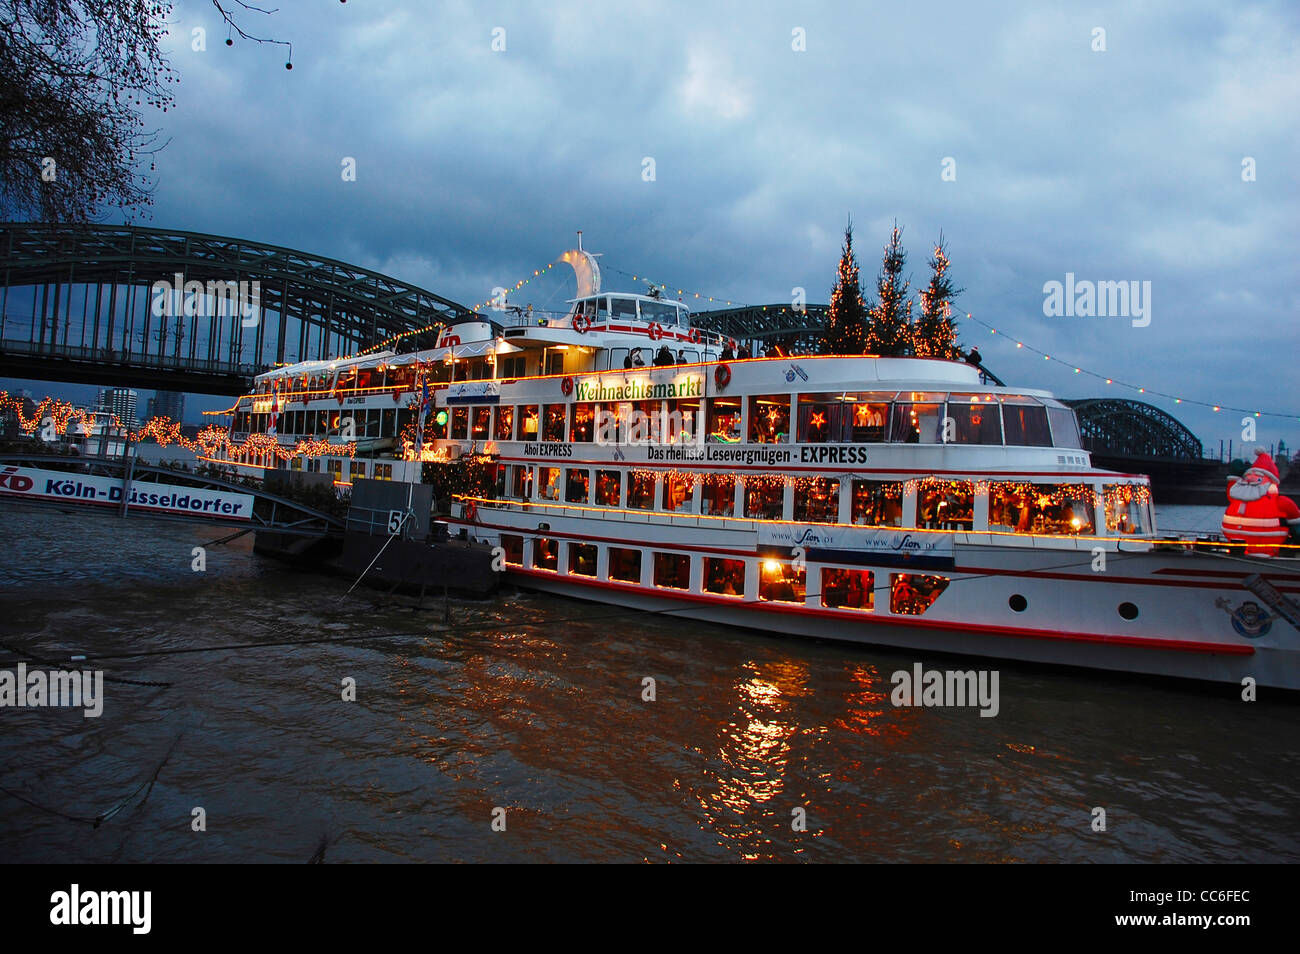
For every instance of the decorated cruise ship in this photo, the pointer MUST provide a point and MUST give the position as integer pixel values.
(637, 460)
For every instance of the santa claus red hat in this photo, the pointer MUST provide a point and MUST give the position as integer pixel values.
(1264, 467)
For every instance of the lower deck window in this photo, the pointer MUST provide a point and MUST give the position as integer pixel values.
(948, 506)
(725, 577)
(546, 554)
(782, 582)
(718, 495)
(911, 594)
(848, 589)
(514, 547)
(582, 559)
(609, 488)
(764, 498)
(817, 500)
(673, 570)
(624, 565)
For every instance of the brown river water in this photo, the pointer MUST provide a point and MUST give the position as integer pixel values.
(533, 704)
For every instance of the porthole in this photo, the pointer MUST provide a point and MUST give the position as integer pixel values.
(1018, 603)
(1128, 611)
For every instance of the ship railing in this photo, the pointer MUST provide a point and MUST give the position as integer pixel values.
(983, 538)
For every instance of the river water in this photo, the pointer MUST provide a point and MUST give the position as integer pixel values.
(533, 704)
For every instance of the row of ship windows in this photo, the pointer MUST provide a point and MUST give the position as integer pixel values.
(864, 417)
(939, 504)
(779, 581)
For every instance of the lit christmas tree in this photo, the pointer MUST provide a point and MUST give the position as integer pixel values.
(935, 335)
(889, 323)
(844, 322)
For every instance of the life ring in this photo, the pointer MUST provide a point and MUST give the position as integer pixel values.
(694, 336)
(722, 376)
(655, 332)
(566, 386)
(471, 511)
(581, 324)
(397, 396)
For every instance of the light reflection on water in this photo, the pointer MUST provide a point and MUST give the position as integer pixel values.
(534, 704)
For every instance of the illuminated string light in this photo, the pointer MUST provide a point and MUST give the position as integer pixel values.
(1134, 387)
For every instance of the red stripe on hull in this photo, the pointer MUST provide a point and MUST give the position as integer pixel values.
(1145, 642)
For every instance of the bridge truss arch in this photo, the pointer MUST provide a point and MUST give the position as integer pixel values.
(77, 305)
(1120, 427)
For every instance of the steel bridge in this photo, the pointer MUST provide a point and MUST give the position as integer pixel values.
(1115, 427)
(78, 304)
(782, 324)
(272, 513)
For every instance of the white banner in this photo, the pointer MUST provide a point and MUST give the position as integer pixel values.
(864, 540)
(31, 483)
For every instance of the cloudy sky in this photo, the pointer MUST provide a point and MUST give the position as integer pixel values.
(476, 165)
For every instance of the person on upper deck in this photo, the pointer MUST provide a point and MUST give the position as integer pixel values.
(681, 356)
(663, 357)
(973, 357)
(727, 354)
(637, 360)
(627, 361)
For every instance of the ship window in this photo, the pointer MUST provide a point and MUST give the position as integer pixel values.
(582, 559)
(1127, 508)
(976, 419)
(662, 312)
(514, 547)
(915, 423)
(825, 418)
(388, 426)
(1024, 422)
(584, 422)
(553, 416)
(724, 577)
(769, 418)
(1041, 508)
(609, 487)
(459, 423)
(1065, 427)
(554, 362)
(718, 495)
(624, 565)
(817, 500)
(911, 594)
(877, 503)
(622, 309)
(521, 488)
(641, 491)
(501, 480)
(765, 497)
(577, 485)
(546, 554)
(673, 570)
(514, 366)
(548, 483)
(482, 423)
(781, 582)
(528, 419)
(848, 589)
(678, 491)
(724, 420)
(946, 505)
(602, 308)
(505, 422)
(683, 421)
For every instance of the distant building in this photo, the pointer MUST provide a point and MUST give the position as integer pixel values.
(119, 401)
(168, 404)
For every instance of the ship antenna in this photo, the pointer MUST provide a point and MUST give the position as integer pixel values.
(579, 240)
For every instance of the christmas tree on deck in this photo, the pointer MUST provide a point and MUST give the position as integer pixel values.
(844, 321)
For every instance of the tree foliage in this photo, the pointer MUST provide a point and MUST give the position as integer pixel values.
(848, 312)
(75, 79)
(889, 321)
(935, 335)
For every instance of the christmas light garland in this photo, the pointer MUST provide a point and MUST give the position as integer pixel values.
(209, 441)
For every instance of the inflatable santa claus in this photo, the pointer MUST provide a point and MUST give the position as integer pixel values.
(1257, 514)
